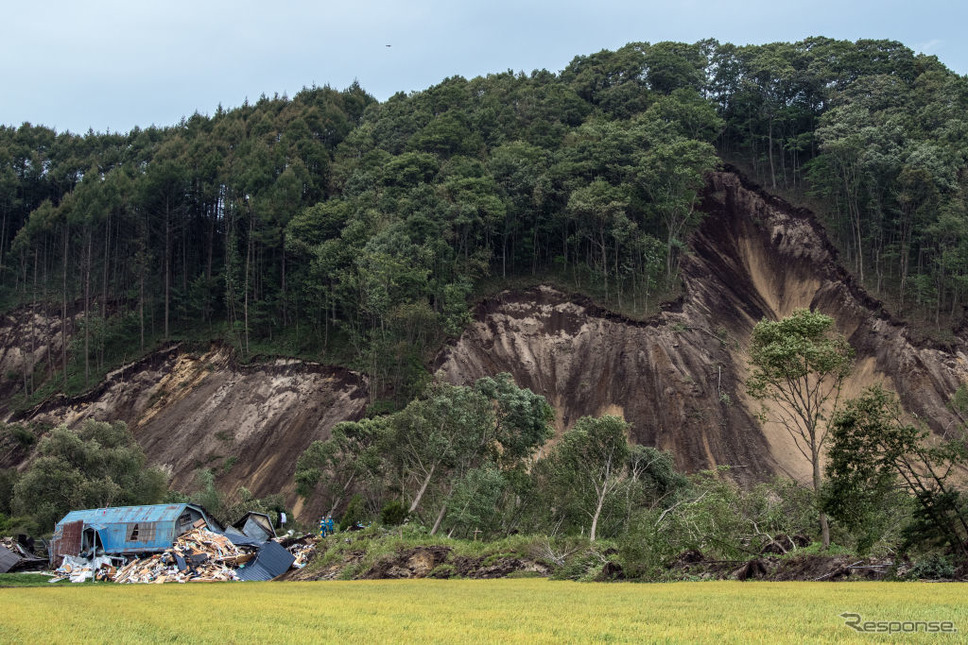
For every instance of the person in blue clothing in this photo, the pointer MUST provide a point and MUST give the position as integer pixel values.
(326, 526)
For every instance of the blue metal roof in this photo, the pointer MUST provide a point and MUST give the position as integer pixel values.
(156, 526)
(125, 514)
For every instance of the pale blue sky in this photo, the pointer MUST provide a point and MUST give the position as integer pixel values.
(114, 64)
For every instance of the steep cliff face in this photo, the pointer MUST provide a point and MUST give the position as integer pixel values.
(678, 378)
(248, 424)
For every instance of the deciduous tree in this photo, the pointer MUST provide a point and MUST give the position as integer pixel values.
(799, 364)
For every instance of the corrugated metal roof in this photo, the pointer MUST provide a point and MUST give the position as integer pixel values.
(272, 560)
(256, 525)
(133, 529)
(8, 559)
(126, 514)
(238, 538)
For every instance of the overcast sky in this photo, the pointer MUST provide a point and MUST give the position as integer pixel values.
(115, 64)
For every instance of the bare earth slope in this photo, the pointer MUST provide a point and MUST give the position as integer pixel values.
(678, 378)
(248, 424)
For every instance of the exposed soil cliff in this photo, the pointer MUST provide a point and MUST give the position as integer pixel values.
(248, 424)
(678, 378)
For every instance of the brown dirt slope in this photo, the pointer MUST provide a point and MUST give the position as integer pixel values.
(678, 377)
(248, 424)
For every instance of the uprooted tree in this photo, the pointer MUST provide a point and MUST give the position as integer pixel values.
(799, 364)
(451, 440)
(873, 453)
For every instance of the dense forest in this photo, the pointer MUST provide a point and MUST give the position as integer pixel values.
(335, 226)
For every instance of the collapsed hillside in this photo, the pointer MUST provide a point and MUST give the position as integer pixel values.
(677, 378)
(248, 424)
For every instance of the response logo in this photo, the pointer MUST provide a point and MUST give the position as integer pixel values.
(857, 622)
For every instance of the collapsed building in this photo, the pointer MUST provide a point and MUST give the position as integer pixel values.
(125, 530)
(164, 542)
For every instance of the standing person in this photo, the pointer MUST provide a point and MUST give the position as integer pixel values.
(329, 524)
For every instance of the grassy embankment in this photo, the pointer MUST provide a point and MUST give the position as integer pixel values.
(452, 611)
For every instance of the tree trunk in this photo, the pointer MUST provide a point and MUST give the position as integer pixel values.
(440, 516)
(64, 307)
(824, 524)
(770, 154)
(598, 512)
(245, 300)
(423, 489)
(87, 308)
(167, 265)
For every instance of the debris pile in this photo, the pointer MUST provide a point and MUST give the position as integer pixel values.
(302, 548)
(303, 553)
(197, 556)
(136, 544)
(78, 569)
(17, 555)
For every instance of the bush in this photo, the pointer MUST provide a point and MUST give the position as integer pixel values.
(354, 513)
(393, 514)
(933, 567)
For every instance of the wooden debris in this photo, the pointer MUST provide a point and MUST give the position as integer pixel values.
(197, 556)
(303, 552)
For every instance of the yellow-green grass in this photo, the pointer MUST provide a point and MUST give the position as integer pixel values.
(474, 611)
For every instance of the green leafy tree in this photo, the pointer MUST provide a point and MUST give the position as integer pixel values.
(874, 453)
(672, 173)
(799, 364)
(99, 465)
(590, 465)
(344, 463)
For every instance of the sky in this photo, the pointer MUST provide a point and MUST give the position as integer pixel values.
(111, 65)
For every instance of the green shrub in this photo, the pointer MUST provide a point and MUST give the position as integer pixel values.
(353, 514)
(393, 514)
(932, 567)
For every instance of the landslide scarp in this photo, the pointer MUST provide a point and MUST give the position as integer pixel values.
(247, 423)
(678, 377)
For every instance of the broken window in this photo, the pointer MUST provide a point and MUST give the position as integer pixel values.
(142, 532)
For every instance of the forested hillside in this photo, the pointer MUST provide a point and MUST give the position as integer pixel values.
(334, 226)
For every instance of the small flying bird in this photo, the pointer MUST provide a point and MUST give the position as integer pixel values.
(389, 45)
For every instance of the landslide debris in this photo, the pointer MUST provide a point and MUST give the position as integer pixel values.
(389, 554)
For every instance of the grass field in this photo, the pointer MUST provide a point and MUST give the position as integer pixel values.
(472, 611)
